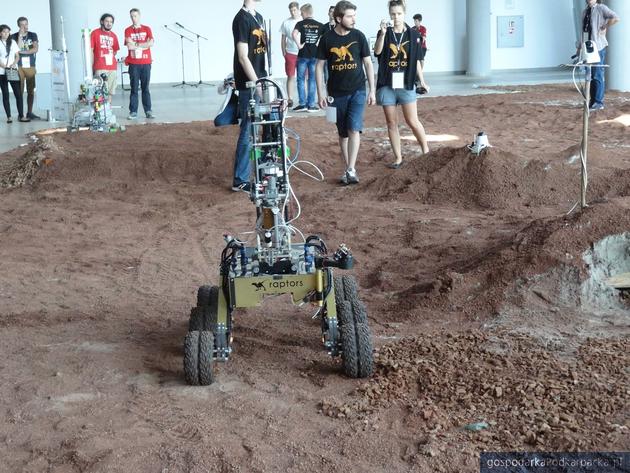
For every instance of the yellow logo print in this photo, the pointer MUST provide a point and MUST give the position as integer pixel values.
(343, 53)
(261, 37)
(397, 51)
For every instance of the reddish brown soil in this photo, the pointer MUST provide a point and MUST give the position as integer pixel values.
(469, 266)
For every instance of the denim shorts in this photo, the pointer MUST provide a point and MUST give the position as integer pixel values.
(350, 110)
(387, 96)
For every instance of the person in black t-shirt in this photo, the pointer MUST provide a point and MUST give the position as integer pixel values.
(399, 52)
(348, 54)
(306, 35)
(250, 48)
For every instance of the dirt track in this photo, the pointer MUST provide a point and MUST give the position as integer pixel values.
(472, 274)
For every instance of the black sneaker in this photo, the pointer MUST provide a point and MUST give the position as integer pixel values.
(313, 109)
(242, 187)
(300, 108)
(32, 116)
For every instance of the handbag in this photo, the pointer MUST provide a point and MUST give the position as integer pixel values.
(12, 74)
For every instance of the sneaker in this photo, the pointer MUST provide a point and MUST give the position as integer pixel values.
(344, 179)
(149, 114)
(242, 187)
(32, 116)
(352, 177)
(300, 108)
(132, 116)
(24, 119)
(9, 120)
(313, 109)
(595, 107)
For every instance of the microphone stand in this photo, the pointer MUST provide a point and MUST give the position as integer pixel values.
(182, 37)
(198, 50)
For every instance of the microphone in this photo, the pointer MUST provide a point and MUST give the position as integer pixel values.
(179, 24)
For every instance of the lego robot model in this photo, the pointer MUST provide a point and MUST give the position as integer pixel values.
(276, 264)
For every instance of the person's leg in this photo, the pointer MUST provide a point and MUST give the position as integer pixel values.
(4, 86)
(241, 158)
(410, 112)
(301, 76)
(22, 73)
(343, 146)
(312, 86)
(145, 79)
(598, 84)
(356, 109)
(134, 81)
(30, 73)
(391, 117)
(290, 67)
(19, 100)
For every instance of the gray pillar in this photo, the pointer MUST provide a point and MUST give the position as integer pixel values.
(478, 35)
(75, 18)
(618, 39)
(578, 8)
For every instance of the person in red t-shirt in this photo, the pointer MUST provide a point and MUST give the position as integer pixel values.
(417, 19)
(104, 46)
(139, 39)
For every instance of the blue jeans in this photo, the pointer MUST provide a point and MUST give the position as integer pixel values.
(302, 66)
(350, 109)
(229, 116)
(140, 74)
(598, 85)
(242, 167)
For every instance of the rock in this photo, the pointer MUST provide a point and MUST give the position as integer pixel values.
(498, 391)
(476, 427)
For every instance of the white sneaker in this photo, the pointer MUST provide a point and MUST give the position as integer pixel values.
(352, 177)
(344, 179)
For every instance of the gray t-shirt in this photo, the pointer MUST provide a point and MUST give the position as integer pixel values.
(286, 29)
(599, 17)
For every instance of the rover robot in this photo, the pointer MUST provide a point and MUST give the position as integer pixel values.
(276, 264)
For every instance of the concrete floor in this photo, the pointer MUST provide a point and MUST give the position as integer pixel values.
(184, 104)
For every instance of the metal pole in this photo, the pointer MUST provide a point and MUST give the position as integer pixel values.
(585, 117)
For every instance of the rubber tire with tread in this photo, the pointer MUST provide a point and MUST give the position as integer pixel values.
(349, 354)
(364, 350)
(206, 357)
(191, 358)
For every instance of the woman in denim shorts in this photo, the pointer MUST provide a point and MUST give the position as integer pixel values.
(398, 49)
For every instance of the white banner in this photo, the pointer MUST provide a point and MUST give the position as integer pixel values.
(59, 101)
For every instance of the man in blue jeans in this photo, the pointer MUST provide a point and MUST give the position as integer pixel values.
(139, 40)
(596, 19)
(346, 53)
(250, 48)
(306, 35)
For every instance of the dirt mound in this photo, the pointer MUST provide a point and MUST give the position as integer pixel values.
(19, 166)
(483, 282)
(518, 395)
(143, 156)
(494, 179)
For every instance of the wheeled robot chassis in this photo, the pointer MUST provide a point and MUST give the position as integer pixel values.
(275, 264)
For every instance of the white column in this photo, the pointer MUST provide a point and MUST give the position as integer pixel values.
(478, 14)
(619, 39)
(75, 18)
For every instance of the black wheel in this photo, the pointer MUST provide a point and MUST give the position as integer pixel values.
(359, 312)
(206, 349)
(349, 354)
(339, 291)
(344, 313)
(198, 358)
(203, 296)
(195, 321)
(207, 306)
(191, 358)
(364, 350)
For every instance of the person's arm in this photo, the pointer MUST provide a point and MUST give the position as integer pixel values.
(283, 45)
(369, 72)
(297, 37)
(322, 96)
(242, 52)
(380, 39)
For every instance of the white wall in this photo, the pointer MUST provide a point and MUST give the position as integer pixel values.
(549, 34)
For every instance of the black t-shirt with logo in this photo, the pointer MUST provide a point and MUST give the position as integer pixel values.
(250, 30)
(401, 53)
(28, 40)
(310, 32)
(345, 61)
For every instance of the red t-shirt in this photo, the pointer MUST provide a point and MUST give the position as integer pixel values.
(104, 44)
(423, 32)
(141, 34)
